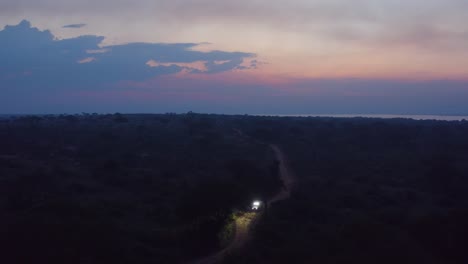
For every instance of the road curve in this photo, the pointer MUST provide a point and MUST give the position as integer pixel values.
(244, 223)
(286, 175)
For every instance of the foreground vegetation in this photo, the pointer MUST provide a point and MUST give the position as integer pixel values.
(162, 189)
(124, 189)
(370, 191)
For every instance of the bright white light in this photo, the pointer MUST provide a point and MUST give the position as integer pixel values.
(256, 205)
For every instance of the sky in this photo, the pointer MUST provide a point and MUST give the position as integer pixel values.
(234, 57)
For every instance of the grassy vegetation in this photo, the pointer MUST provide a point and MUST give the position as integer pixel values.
(370, 191)
(227, 233)
(161, 188)
(123, 188)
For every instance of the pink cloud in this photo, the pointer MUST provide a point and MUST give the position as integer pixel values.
(197, 65)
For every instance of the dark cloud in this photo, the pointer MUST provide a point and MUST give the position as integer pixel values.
(31, 57)
(74, 26)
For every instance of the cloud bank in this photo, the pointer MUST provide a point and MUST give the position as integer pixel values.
(314, 38)
(31, 57)
(40, 73)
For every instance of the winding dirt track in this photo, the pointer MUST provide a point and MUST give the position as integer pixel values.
(245, 222)
(286, 176)
(242, 226)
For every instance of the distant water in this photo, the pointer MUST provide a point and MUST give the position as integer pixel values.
(415, 117)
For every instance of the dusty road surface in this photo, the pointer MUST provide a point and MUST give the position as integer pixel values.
(286, 175)
(242, 226)
(246, 221)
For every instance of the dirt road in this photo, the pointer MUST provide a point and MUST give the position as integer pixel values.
(242, 225)
(245, 222)
(286, 175)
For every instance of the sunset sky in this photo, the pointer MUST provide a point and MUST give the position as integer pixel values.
(243, 56)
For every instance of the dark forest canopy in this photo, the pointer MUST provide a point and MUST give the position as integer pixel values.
(122, 188)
